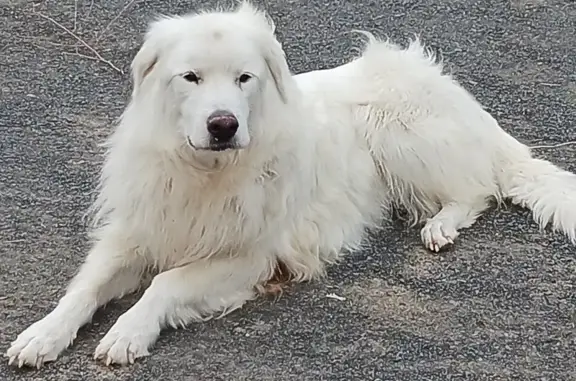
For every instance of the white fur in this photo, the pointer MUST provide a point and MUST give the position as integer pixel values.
(324, 154)
(442, 157)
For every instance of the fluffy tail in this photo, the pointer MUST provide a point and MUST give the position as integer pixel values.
(546, 189)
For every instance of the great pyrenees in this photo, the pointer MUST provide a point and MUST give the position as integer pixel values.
(225, 168)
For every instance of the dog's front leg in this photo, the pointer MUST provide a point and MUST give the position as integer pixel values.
(110, 271)
(178, 296)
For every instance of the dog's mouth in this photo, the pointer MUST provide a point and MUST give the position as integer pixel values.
(217, 147)
(214, 146)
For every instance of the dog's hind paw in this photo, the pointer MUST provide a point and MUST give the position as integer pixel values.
(435, 235)
(40, 343)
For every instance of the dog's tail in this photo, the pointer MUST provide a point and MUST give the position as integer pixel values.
(547, 190)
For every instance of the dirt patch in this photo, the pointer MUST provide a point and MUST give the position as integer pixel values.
(527, 72)
(401, 308)
(571, 93)
(523, 4)
(90, 125)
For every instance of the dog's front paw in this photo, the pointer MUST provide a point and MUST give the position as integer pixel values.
(125, 342)
(435, 235)
(40, 343)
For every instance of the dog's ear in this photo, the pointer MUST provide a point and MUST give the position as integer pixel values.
(272, 50)
(142, 65)
(147, 57)
(278, 67)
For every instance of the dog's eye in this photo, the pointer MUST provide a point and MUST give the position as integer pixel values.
(244, 78)
(191, 77)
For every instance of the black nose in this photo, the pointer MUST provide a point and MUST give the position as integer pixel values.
(222, 126)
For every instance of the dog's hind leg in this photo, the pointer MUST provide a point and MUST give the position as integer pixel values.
(110, 271)
(443, 228)
(178, 296)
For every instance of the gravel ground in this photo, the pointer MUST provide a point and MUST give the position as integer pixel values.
(499, 306)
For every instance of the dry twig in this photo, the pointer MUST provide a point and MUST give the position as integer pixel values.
(75, 15)
(77, 54)
(554, 145)
(89, 9)
(80, 40)
(44, 40)
(128, 4)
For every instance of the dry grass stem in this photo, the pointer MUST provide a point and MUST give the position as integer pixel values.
(81, 41)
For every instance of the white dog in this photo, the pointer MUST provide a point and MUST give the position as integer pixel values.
(225, 167)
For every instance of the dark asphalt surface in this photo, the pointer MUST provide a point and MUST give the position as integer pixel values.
(500, 306)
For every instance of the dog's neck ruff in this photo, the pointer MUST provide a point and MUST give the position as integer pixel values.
(209, 162)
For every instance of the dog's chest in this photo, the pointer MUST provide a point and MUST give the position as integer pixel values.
(187, 222)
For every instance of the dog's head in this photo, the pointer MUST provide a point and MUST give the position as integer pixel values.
(210, 73)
